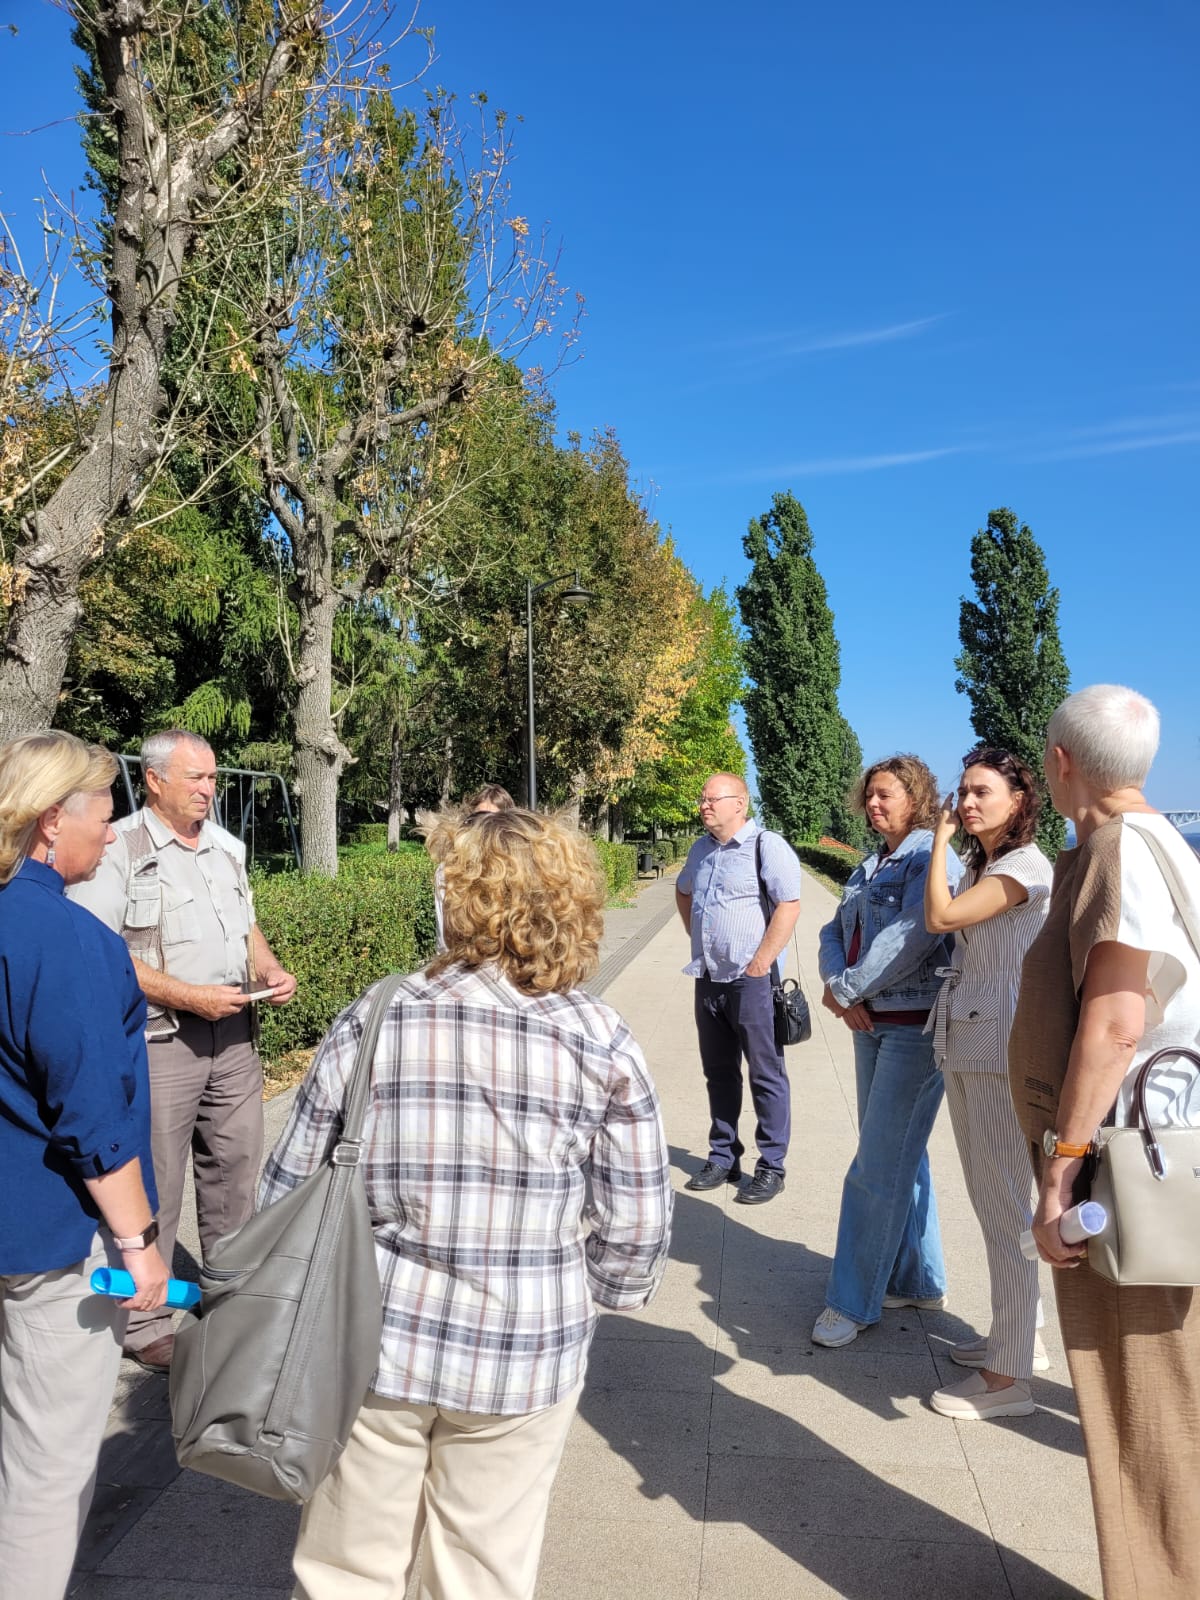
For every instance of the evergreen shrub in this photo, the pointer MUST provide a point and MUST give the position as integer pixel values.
(619, 862)
(833, 862)
(339, 935)
(369, 833)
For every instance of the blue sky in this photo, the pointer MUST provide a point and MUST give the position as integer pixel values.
(910, 263)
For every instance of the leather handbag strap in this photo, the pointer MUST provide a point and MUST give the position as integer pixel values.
(767, 908)
(359, 1085)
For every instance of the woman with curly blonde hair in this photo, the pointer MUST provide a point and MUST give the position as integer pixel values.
(502, 1093)
(879, 966)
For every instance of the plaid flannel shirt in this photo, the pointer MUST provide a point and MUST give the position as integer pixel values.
(517, 1177)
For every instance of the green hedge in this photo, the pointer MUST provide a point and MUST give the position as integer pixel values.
(619, 862)
(369, 833)
(836, 864)
(339, 935)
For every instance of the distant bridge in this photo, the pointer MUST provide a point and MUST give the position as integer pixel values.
(1182, 819)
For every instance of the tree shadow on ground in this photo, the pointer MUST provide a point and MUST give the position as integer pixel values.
(717, 1431)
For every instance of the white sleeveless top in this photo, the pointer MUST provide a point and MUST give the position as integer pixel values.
(975, 1006)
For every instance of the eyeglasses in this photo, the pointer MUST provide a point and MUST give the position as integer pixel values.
(711, 799)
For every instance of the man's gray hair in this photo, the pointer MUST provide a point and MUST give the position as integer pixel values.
(157, 750)
(1110, 733)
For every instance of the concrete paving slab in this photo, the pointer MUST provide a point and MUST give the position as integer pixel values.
(220, 1534)
(839, 1499)
(871, 1410)
(590, 1558)
(806, 1567)
(100, 1588)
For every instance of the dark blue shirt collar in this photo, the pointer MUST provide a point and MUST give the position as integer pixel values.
(39, 872)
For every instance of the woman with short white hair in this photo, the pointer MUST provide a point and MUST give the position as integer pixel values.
(1113, 978)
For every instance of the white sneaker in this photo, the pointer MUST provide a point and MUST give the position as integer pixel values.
(974, 1353)
(972, 1400)
(832, 1329)
(896, 1302)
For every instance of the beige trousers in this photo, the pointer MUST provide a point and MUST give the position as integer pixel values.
(478, 1488)
(60, 1351)
(205, 1102)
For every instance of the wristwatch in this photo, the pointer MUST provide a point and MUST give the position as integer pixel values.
(1054, 1146)
(139, 1241)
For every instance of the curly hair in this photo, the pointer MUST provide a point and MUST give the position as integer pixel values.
(914, 777)
(522, 892)
(38, 771)
(1020, 780)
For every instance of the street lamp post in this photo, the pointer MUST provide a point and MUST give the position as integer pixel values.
(573, 596)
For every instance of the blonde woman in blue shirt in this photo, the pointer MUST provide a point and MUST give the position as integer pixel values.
(76, 1181)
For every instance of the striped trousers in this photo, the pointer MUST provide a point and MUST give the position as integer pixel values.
(995, 1160)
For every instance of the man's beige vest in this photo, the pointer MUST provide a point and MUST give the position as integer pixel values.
(142, 927)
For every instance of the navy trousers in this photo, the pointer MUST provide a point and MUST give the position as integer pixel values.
(735, 1021)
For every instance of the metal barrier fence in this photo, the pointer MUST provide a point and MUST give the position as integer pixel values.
(238, 806)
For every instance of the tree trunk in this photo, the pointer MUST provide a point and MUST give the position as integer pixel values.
(320, 754)
(616, 822)
(447, 788)
(159, 178)
(573, 807)
(395, 794)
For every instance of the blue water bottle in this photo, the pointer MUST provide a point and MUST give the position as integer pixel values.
(112, 1280)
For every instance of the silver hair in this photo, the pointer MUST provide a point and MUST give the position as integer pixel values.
(1111, 734)
(157, 750)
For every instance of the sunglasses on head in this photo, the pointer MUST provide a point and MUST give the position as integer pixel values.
(985, 755)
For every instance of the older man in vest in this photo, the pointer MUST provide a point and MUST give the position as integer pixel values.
(174, 887)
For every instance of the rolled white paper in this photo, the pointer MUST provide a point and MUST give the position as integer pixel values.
(1081, 1222)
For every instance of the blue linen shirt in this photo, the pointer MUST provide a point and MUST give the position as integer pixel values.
(727, 914)
(74, 1084)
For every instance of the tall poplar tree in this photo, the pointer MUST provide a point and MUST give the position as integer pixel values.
(1011, 665)
(792, 663)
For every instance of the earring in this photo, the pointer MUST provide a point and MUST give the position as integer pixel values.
(49, 855)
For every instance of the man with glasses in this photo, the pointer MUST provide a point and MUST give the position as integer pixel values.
(735, 942)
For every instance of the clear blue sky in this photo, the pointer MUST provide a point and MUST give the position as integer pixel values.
(910, 263)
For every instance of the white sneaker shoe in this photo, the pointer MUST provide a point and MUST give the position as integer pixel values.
(974, 1353)
(832, 1329)
(896, 1302)
(972, 1400)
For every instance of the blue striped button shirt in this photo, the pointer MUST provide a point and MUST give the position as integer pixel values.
(727, 915)
(517, 1177)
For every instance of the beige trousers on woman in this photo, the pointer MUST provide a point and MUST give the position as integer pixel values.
(478, 1488)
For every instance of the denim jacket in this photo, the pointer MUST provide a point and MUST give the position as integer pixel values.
(898, 960)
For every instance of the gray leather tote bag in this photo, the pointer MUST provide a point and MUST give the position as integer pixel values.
(266, 1385)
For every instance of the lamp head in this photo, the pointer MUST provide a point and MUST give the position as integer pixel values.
(576, 595)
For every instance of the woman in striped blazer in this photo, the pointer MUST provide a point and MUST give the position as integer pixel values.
(997, 912)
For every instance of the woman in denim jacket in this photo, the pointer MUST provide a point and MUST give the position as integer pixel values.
(879, 966)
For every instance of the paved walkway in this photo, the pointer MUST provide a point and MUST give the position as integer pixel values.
(717, 1452)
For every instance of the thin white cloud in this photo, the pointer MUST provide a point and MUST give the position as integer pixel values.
(829, 466)
(799, 342)
(1119, 447)
(865, 336)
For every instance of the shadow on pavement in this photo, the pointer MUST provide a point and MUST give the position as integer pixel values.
(730, 1450)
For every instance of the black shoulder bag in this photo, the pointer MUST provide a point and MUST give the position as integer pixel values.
(793, 1020)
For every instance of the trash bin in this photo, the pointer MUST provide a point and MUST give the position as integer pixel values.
(645, 861)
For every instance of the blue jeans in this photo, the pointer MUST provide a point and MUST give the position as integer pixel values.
(888, 1237)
